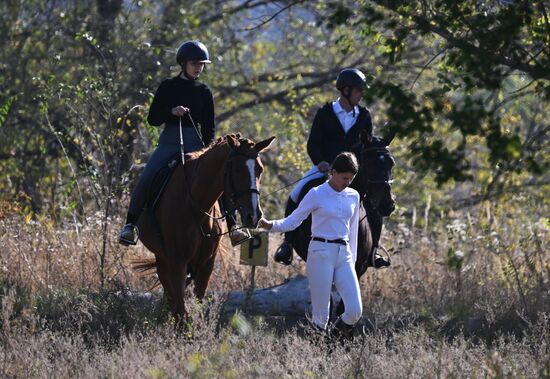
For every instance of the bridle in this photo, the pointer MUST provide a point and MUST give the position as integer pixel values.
(233, 198)
(381, 152)
(386, 180)
(229, 182)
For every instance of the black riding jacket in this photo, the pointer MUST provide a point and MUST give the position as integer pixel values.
(189, 93)
(327, 138)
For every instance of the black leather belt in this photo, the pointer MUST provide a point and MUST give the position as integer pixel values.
(338, 241)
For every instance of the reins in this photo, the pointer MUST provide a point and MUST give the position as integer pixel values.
(193, 202)
(288, 185)
(181, 136)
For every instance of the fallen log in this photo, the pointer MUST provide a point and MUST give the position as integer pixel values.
(290, 298)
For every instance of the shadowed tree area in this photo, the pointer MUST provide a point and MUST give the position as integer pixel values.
(488, 71)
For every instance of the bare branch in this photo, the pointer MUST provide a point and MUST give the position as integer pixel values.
(426, 66)
(249, 4)
(278, 96)
(273, 16)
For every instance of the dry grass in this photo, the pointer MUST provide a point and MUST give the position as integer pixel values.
(467, 296)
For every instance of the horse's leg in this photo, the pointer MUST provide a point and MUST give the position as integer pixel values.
(163, 272)
(375, 223)
(178, 271)
(202, 278)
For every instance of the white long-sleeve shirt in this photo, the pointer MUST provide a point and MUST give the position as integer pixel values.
(335, 215)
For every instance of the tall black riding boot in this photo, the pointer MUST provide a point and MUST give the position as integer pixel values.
(342, 331)
(283, 254)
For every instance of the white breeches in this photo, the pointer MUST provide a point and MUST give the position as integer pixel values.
(328, 263)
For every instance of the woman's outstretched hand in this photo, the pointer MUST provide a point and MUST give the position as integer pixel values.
(265, 224)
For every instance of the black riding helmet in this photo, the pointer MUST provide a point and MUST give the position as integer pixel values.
(192, 51)
(351, 77)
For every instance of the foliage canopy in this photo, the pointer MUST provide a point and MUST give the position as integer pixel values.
(464, 85)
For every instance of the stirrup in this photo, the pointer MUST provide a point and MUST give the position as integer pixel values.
(283, 254)
(380, 261)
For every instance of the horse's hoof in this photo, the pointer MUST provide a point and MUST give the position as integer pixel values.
(283, 255)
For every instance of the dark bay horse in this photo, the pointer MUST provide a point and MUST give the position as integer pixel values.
(373, 182)
(184, 231)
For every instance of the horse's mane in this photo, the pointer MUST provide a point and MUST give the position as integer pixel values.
(198, 153)
(244, 142)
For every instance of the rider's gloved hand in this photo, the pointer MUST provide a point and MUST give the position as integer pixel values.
(180, 111)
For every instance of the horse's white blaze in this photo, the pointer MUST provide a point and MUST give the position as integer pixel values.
(251, 163)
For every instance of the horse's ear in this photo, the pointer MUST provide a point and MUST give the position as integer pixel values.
(232, 141)
(387, 139)
(263, 144)
(390, 132)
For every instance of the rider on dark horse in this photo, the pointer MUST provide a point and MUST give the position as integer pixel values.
(336, 128)
(181, 100)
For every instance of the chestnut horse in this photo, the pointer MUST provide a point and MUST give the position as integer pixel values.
(184, 230)
(373, 182)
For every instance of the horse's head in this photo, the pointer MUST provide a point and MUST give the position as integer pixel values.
(375, 173)
(242, 177)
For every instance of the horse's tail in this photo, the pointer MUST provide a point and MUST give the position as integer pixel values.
(145, 265)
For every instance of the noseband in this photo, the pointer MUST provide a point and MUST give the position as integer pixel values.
(382, 152)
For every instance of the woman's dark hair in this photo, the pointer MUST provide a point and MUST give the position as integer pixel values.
(345, 162)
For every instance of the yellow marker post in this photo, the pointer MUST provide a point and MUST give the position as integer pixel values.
(254, 253)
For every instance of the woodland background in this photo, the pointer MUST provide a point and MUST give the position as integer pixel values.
(464, 85)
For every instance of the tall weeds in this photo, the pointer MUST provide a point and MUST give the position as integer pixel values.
(466, 297)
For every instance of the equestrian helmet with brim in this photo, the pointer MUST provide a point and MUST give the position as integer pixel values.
(351, 77)
(192, 51)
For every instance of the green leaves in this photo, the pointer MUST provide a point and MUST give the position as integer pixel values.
(4, 109)
(463, 60)
(339, 15)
